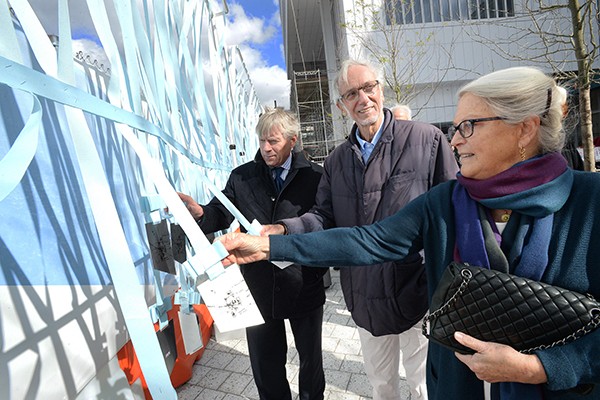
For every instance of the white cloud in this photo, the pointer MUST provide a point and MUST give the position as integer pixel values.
(252, 57)
(270, 82)
(244, 29)
(282, 51)
(276, 18)
(92, 52)
(271, 85)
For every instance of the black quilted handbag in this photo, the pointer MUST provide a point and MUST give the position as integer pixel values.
(498, 307)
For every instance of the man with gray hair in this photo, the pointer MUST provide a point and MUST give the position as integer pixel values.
(402, 111)
(382, 166)
(278, 184)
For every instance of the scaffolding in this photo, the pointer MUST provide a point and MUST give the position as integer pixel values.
(311, 95)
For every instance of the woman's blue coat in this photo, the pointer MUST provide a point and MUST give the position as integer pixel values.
(428, 223)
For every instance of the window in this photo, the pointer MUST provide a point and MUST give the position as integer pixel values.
(400, 12)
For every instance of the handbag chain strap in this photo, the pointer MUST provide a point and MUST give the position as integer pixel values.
(584, 330)
(466, 275)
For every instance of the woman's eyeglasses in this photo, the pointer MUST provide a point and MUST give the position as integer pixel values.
(467, 127)
(352, 94)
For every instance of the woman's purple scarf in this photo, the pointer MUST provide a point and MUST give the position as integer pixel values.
(536, 189)
(519, 178)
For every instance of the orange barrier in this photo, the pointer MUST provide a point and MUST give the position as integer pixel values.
(182, 369)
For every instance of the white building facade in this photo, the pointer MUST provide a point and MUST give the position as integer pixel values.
(432, 47)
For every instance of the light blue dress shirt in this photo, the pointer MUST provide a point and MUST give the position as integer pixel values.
(366, 148)
(286, 168)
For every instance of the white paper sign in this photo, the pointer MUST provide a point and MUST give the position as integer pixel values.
(229, 301)
(190, 332)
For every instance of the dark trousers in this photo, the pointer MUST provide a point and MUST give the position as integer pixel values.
(267, 346)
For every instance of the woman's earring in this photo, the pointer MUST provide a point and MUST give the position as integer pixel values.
(522, 153)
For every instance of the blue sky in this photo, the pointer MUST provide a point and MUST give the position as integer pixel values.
(265, 10)
(255, 26)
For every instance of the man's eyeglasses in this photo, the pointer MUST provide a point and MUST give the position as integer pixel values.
(352, 94)
(467, 127)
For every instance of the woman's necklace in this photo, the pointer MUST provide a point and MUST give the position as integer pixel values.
(504, 215)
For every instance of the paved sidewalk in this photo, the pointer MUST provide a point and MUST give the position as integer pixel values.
(223, 372)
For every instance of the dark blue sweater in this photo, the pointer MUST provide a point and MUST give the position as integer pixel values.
(428, 223)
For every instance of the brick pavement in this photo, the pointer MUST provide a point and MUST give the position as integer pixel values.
(223, 372)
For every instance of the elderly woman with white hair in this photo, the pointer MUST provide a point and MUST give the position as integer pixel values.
(515, 206)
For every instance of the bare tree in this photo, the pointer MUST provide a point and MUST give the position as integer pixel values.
(402, 51)
(557, 39)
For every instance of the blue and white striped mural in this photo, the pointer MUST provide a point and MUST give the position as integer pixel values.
(88, 157)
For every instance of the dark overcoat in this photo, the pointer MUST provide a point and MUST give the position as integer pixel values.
(279, 293)
(408, 160)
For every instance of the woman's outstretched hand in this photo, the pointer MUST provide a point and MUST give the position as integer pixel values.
(244, 248)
